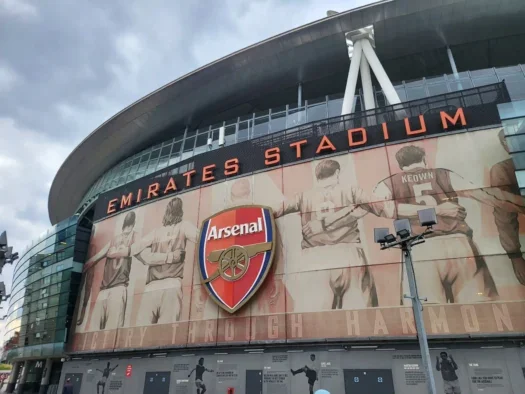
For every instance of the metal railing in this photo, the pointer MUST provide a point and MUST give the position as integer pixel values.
(490, 94)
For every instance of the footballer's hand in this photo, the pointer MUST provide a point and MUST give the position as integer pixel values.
(451, 210)
(313, 227)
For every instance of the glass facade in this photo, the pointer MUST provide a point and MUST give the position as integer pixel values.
(513, 120)
(45, 285)
(189, 143)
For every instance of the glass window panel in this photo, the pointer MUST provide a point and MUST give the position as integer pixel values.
(165, 150)
(483, 72)
(151, 168)
(278, 122)
(401, 92)
(461, 84)
(243, 133)
(316, 112)
(358, 104)
(191, 133)
(214, 138)
(415, 83)
(520, 175)
(136, 160)
(482, 81)
(176, 149)
(144, 158)
(230, 134)
(380, 99)
(437, 89)
(519, 160)
(317, 100)
(295, 117)
(189, 144)
(435, 79)
(174, 159)
(155, 154)
(163, 162)
(514, 126)
(516, 86)
(415, 93)
(201, 145)
(508, 70)
(261, 126)
(516, 143)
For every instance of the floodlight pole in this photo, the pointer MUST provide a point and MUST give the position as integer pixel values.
(406, 247)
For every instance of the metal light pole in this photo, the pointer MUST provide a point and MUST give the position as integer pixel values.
(404, 240)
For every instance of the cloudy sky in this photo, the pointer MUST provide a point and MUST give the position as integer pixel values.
(67, 66)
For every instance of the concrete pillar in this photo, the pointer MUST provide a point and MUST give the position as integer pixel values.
(23, 377)
(11, 382)
(351, 82)
(366, 80)
(452, 63)
(453, 67)
(380, 73)
(46, 375)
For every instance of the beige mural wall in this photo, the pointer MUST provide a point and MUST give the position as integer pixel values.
(329, 279)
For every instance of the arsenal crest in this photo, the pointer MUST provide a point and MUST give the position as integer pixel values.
(236, 249)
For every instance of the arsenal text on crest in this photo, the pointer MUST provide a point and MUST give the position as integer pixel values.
(235, 230)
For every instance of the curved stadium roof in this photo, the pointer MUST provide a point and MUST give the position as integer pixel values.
(410, 37)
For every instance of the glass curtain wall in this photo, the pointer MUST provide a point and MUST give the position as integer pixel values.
(45, 285)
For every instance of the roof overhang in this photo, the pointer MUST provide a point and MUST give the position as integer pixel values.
(410, 37)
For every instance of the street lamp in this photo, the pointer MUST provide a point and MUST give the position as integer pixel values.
(405, 240)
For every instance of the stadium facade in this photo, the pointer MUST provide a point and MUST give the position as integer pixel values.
(217, 235)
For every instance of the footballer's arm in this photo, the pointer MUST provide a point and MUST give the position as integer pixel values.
(493, 197)
(96, 258)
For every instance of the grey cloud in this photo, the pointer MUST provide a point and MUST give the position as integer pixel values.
(66, 67)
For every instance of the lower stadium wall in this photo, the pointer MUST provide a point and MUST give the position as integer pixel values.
(495, 371)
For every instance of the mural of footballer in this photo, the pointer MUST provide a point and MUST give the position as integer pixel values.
(460, 273)
(199, 372)
(163, 250)
(503, 175)
(110, 306)
(448, 367)
(330, 236)
(104, 378)
(310, 371)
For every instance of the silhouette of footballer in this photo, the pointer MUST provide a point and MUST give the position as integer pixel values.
(310, 371)
(199, 371)
(104, 378)
(448, 367)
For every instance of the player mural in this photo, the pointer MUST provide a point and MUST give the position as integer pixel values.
(101, 384)
(503, 176)
(311, 372)
(111, 302)
(199, 376)
(145, 284)
(448, 367)
(163, 251)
